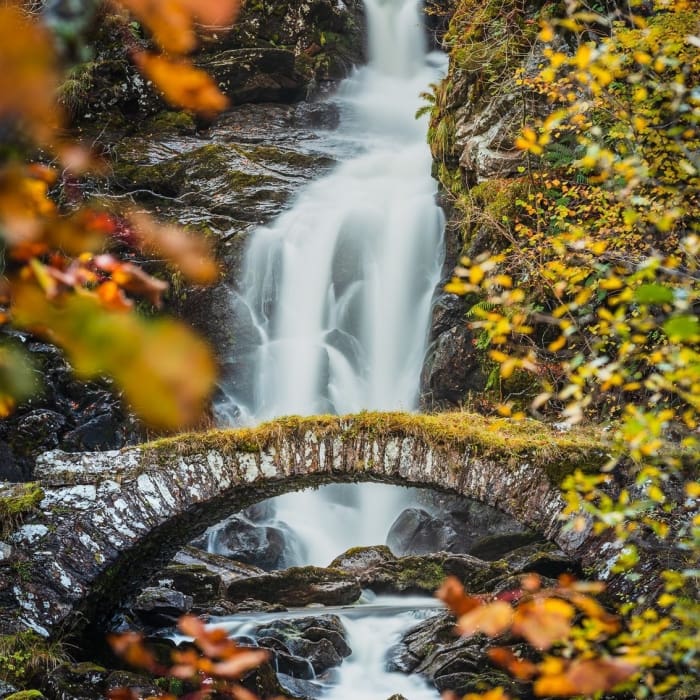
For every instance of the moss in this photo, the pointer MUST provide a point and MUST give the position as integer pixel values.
(15, 503)
(25, 695)
(503, 440)
(167, 121)
(26, 656)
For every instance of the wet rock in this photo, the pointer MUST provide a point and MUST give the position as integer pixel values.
(6, 689)
(225, 568)
(83, 681)
(319, 639)
(294, 666)
(494, 547)
(96, 434)
(161, 607)
(434, 650)
(358, 560)
(256, 75)
(263, 546)
(298, 586)
(452, 369)
(193, 580)
(415, 531)
(299, 688)
(142, 686)
(425, 574)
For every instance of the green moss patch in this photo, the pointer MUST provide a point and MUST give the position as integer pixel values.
(502, 440)
(26, 656)
(17, 501)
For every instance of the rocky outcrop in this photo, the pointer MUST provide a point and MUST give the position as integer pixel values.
(107, 521)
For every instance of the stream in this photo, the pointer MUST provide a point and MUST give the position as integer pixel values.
(338, 290)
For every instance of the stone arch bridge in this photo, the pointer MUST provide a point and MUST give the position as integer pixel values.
(106, 521)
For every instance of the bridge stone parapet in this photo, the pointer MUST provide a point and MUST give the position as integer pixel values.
(109, 520)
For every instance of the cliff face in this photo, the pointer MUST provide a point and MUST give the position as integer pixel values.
(477, 111)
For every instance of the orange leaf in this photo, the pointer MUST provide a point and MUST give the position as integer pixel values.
(453, 595)
(522, 669)
(491, 619)
(236, 666)
(593, 675)
(135, 280)
(543, 622)
(193, 255)
(28, 77)
(182, 84)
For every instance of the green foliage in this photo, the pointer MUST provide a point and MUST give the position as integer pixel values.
(594, 291)
(24, 657)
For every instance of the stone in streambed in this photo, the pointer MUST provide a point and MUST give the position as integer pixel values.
(358, 560)
(298, 586)
(194, 580)
(161, 607)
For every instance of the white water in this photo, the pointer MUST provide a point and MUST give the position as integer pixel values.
(372, 628)
(339, 287)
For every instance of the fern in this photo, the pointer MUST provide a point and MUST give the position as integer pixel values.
(480, 308)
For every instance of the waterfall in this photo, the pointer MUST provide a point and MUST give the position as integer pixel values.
(337, 290)
(339, 286)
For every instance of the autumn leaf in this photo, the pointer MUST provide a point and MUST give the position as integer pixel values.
(492, 619)
(172, 21)
(454, 596)
(192, 254)
(28, 76)
(543, 621)
(522, 669)
(182, 84)
(585, 677)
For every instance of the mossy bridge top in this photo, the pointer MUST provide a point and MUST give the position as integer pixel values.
(104, 522)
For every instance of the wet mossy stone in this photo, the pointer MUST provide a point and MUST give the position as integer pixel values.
(25, 695)
(360, 559)
(298, 586)
(83, 681)
(425, 574)
(544, 559)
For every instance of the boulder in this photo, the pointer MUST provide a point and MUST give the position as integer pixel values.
(540, 558)
(415, 531)
(161, 607)
(425, 574)
(82, 681)
(358, 560)
(493, 547)
(227, 569)
(194, 580)
(298, 586)
(319, 639)
(264, 546)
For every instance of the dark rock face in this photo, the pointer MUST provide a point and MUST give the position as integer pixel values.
(449, 524)
(298, 586)
(452, 369)
(193, 580)
(416, 531)
(264, 546)
(319, 639)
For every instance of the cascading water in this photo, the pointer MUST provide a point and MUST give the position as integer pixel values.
(338, 292)
(338, 288)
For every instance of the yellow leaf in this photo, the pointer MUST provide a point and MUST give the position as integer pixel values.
(182, 84)
(557, 344)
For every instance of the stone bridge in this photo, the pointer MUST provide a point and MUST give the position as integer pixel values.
(106, 521)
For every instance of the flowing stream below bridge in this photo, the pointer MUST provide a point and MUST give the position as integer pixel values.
(338, 290)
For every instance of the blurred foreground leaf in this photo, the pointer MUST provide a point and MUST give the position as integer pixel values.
(17, 377)
(165, 371)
